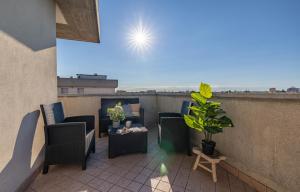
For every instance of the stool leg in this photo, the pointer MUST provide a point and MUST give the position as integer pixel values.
(196, 162)
(214, 172)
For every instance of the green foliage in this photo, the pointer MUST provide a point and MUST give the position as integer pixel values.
(116, 113)
(207, 116)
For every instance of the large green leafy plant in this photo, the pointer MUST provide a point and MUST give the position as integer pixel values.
(116, 113)
(207, 116)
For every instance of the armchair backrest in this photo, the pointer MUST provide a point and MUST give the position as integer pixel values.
(111, 102)
(185, 110)
(53, 113)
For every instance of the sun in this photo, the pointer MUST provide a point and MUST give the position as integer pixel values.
(140, 38)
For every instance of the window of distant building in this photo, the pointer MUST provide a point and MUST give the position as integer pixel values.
(64, 90)
(80, 91)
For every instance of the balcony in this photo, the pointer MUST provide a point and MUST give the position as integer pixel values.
(258, 150)
(262, 150)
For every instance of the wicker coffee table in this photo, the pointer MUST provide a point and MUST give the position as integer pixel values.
(132, 142)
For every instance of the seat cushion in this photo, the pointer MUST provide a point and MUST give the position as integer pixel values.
(88, 140)
(134, 119)
(53, 113)
(135, 108)
(127, 110)
(185, 108)
(49, 114)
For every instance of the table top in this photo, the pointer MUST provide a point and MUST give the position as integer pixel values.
(113, 131)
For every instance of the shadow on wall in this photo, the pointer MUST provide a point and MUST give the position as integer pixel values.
(30, 22)
(18, 168)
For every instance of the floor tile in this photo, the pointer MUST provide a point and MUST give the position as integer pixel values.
(113, 179)
(123, 182)
(86, 188)
(146, 188)
(146, 172)
(134, 186)
(152, 182)
(105, 175)
(163, 186)
(141, 178)
(105, 186)
(131, 175)
(116, 189)
(175, 188)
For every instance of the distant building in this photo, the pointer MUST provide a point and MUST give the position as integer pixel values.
(86, 84)
(151, 91)
(272, 90)
(121, 91)
(94, 76)
(293, 90)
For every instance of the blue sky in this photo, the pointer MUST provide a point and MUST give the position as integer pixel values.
(252, 44)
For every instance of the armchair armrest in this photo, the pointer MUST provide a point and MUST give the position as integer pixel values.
(172, 122)
(88, 119)
(174, 132)
(167, 114)
(66, 133)
(142, 113)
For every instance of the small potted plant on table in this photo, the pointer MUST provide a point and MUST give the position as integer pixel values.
(207, 116)
(116, 114)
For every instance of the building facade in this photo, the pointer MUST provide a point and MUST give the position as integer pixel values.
(86, 85)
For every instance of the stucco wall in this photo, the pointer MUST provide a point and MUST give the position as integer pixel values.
(265, 141)
(27, 79)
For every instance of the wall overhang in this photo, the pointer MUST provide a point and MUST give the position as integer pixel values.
(77, 20)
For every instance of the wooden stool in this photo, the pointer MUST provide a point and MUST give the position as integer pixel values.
(212, 159)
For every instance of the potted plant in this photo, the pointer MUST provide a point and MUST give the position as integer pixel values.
(207, 116)
(116, 114)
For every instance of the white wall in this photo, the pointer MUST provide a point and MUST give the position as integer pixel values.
(27, 79)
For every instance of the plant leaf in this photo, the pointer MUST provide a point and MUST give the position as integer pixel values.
(205, 90)
(192, 123)
(198, 98)
(225, 121)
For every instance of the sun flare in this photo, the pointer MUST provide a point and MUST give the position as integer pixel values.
(140, 38)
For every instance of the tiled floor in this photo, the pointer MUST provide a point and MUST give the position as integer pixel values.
(152, 172)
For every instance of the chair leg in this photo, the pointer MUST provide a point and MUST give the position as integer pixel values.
(214, 172)
(196, 162)
(94, 148)
(45, 168)
(189, 152)
(83, 165)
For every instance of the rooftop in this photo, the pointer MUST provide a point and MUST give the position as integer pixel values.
(86, 82)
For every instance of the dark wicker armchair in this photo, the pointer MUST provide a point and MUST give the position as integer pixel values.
(173, 133)
(67, 140)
